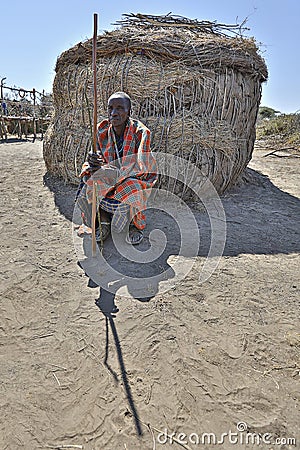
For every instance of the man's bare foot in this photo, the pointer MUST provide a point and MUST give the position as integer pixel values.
(134, 236)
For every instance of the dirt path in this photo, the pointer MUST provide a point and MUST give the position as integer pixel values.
(197, 359)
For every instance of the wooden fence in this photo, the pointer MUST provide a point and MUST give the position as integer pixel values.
(27, 114)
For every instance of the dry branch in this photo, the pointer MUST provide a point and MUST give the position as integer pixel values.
(180, 21)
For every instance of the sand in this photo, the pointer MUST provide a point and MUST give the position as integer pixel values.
(195, 359)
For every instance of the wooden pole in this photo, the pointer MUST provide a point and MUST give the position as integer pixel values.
(95, 83)
(42, 128)
(20, 128)
(2, 84)
(94, 201)
(3, 129)
(34, 118)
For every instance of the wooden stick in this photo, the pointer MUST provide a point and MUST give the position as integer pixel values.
(95, 83)
(94, 201)
(57, 380)
(58, 447)
(94, 210)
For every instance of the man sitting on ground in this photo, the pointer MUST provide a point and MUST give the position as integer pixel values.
(124, 170)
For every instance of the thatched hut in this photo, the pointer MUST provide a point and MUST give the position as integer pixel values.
(195, 85)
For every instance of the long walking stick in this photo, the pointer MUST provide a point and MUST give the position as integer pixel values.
(94, 200)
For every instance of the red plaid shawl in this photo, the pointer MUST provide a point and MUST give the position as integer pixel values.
(132, 182)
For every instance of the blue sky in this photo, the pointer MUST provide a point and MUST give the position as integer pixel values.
(34, 33)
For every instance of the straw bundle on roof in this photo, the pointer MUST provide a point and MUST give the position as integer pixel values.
(196, 87)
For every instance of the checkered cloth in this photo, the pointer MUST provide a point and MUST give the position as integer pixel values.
(129, 180)
(119, 210)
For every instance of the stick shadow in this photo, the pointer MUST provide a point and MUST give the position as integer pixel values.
(110, 324)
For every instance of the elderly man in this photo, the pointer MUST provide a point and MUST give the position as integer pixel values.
(124, 171)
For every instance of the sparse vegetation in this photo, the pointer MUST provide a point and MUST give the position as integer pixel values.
(267, 113)
(283, 129)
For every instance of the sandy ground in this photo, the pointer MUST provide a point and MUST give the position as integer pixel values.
(196, 359)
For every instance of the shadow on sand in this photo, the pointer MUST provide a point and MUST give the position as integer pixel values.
(260, 219)
(110, 324)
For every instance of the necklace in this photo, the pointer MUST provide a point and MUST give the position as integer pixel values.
(118, 143)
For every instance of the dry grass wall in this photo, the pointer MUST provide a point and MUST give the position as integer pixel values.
(197, 91)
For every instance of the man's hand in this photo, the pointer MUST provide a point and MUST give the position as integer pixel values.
(95, 160)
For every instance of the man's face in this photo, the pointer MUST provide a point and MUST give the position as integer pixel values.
(118, 111)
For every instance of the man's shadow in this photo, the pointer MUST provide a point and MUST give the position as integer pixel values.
(120, 269)
(113, 269)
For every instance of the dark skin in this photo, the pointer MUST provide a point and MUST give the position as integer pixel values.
(118, 109)
(118, 112)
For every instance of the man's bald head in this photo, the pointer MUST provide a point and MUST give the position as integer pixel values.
(124, 96)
